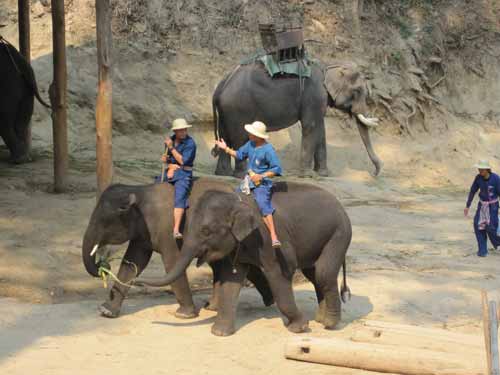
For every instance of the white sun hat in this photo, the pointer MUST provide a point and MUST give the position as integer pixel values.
(179, 124)
(258, 129)
(483, 164)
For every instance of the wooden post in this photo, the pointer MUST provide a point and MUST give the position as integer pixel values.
(486, 328)
(104, 97)
(495, 370)
(57, 93)
(23, 10)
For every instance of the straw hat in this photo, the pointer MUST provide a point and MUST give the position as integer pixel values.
(258, 129)
(180, 123)
(483, 164)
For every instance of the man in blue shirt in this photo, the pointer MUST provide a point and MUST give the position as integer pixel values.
(486, 218)
(179, 157)
(263, 164)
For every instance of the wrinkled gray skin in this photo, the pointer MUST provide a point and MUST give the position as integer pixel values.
(17, 91)
(315, 232)
(248, 94)
(143, 216)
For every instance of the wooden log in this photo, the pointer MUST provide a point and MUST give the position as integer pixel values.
(429, 342)
(486, 328)
(23, 7)
(495, 370)
(441, 334)
(104, 97)
(57, 93)
(373, 357)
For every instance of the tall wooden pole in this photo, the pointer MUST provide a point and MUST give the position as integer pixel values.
(23, 11)
(104, 96)
(57, 92)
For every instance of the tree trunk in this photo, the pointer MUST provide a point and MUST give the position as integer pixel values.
(104, 97)
(57, 94)
(380, 358)
(23, 7)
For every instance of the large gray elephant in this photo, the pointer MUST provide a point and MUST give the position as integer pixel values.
(17, 91)
(143, 216)
(315, 232)
(249, 93)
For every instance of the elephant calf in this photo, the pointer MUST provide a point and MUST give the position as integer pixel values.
(226, 227)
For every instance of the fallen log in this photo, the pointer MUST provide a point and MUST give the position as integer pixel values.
(438, 334)
(373, 357)
(384, 336)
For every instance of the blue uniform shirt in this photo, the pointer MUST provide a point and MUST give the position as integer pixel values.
(260, 159)
(488, 189)
(187, 148)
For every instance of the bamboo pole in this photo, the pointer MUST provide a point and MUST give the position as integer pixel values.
(380, 358)
(23, 7)
(57, 93)
(494, 339)
(104, 97)
(486, 328)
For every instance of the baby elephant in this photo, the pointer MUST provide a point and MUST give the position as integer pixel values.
(315, 232)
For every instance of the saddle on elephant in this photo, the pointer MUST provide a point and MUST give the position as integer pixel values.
(283, 52)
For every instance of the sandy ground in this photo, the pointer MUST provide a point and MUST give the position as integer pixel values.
(412, 260)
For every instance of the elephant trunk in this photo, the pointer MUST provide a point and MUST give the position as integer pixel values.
(187, 255)
(88, 252)
(365, 136)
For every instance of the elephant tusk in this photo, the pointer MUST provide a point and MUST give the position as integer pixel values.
(95, 248)
(370, 122)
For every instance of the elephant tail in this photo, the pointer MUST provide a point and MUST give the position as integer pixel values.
(216, 118)
(345, 292)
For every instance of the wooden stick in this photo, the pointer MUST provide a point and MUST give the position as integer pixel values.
(495, 370)
(163, 167)
(486, 328)
(379, 358)
(104, 96)
(57, 93)
(23, 7)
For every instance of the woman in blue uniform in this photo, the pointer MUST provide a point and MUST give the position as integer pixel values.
(486, 218)
(180, 155)
(263, 164)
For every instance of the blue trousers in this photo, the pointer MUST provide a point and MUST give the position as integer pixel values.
(262, 195)
(490, 231)
(182, 189)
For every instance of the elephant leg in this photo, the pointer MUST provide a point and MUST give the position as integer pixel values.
(8, 134)
(224, 165)
(258, 279)
(22, 124)
(327, 270)
(283, 293)
(135, 260)
(231, 284)
(309, 273)
(213, 303)
(240, 169)
(180, 287)
(320, 152)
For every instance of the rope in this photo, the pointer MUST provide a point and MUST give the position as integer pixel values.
(235, 271)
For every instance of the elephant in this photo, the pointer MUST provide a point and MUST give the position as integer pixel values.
(17, 91)
(248, 93)
(315, 232)
(142, 216)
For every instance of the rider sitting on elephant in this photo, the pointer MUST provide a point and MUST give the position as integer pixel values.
(179, 156)
(263, 165)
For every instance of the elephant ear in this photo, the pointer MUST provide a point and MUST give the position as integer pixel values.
(338, 75)
(244, 222)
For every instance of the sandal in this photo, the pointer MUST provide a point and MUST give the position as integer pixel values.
(276, 244)
(177, 236)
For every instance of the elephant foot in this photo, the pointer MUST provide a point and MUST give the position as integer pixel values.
(330, 320)
(323, 172)
(223, 329)
(268, 300)
(306, 173)
(239, 174)
(320, 313)
(20, 159)
(109, 311)
(211, 305)
(298, 325)
(223, 172)
(186, 312)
